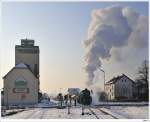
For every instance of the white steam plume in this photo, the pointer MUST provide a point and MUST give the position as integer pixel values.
(112, 27)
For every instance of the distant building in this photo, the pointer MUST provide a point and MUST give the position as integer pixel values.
(121, 87)
(21, 83)
(73, 91)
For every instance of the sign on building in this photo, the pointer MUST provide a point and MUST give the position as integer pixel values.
(21, 86)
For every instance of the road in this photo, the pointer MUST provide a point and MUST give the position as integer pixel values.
(54, 113)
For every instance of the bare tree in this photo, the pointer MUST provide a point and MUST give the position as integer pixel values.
(143, 79)
(143, 73)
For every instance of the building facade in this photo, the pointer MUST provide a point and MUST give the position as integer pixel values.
(121, 87)
(73, 91)
(21, 83)
(20, 86)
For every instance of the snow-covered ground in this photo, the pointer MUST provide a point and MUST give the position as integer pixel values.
(131, 112)
(47, 104)
(48, 110)
(52, 113)
(122, 103)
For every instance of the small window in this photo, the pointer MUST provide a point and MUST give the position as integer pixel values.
(20, 82)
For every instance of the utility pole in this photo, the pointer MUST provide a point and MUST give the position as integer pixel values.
(104, 78)
(7, 97)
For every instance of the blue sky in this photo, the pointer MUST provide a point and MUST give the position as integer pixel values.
(59, 29)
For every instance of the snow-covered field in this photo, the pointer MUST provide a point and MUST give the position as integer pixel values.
(122, 103)
(128, 112)
(46, 103)
(131, 112)
(51, 113)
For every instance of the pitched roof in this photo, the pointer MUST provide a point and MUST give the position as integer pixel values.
(115, 79)
(18, 66)
(21, 65)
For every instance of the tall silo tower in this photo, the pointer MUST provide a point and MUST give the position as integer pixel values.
(28, 53)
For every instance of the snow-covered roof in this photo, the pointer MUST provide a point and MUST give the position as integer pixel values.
(115, 79)
(21, 65)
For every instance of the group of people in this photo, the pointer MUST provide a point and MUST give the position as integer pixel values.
(84, 98)
(67, 99)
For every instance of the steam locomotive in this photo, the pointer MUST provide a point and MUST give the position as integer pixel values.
(84, 97)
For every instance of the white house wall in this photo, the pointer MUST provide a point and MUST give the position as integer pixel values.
(15, 98)
(123, 87)
(110, 91)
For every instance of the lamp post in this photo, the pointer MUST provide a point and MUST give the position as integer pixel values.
(104, 78)
(7, 96)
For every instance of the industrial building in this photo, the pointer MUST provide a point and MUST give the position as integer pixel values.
(21, 83)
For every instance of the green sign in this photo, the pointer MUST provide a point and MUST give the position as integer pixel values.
(21, 82)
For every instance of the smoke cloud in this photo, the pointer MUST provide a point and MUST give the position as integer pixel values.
(112, 27)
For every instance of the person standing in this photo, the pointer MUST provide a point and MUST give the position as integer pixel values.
(85, 99)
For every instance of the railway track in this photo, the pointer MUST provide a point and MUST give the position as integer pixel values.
(54, 113)
(93, 113)
(104, 114)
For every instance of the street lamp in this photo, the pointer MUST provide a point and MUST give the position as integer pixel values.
(7, 95)
(104, 78)
(7, 90)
